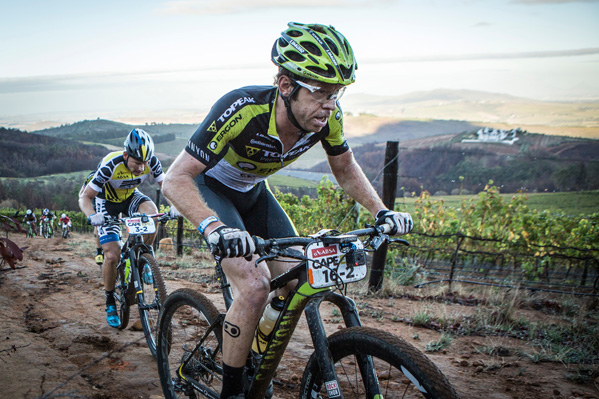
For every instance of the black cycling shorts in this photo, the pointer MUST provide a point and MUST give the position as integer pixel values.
(256, 211)
(111, 232)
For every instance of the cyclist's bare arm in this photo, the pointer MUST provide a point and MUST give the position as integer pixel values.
(85, 201)
(180, 190)
(351, 178)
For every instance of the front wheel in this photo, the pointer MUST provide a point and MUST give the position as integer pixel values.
(400, 370)
(153, 295)
(122, 292)
(189, 352)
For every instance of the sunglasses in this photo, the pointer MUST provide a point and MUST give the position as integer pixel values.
(320, 95)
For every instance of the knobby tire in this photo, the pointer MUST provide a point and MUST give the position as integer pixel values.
(185, 317)
(154, 296)
(399, 366)
(122, 291)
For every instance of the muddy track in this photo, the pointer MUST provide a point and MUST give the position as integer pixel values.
(54, 341)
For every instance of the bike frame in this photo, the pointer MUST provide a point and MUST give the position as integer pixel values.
(303, 298)
(134, 248)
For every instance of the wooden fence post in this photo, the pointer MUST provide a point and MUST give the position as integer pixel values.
(389, 191)
(180, 223)
(454, 258)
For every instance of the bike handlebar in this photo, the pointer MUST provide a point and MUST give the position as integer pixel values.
(264, 246)
(115, 219)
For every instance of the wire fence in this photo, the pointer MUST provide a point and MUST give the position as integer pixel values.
(451, 258)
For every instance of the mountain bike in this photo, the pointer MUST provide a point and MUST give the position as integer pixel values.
(139, 280)
(354, 362)
(66, 232)
(46, 229)
(31, 230)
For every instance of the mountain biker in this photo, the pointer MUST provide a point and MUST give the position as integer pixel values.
(65, 221)
(31, 220)
(114, 188)
(48, 217)
(249, 134)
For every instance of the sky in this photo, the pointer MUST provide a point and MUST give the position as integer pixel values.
(169, 61)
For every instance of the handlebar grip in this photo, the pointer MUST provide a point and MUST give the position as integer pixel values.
(386, 228)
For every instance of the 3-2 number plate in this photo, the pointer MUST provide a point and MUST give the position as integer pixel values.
(136, 226)
(329, 266)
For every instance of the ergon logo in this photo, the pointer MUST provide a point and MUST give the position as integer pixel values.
(226, 129)
(234, 106)
(324, 251)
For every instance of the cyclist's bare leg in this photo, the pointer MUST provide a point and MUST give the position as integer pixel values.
(278, 267)
(149, 208)
(112, 254)
(250, 285)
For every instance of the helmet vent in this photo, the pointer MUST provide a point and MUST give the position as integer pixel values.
(283, 42)
(312, 48)
(329, 73)
(294, 56)
(332, 46)
(346, 72)
(294, 33)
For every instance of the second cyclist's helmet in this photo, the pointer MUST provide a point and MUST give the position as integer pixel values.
(316, 52)
(46, 211)
(29, 212)
(64, 215)
(139, 145)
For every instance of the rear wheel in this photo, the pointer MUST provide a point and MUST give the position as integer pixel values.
(401, 371)
(153, 295)
(189, 353)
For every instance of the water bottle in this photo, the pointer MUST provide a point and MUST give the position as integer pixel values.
(127, 270)
(267, 323)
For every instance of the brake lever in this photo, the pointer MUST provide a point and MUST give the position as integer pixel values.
(265, 257)
(399, 241)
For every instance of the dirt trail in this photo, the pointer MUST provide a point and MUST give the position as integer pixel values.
(54, 339)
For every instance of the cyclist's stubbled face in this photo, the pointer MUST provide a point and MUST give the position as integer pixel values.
(312, 114)
(136, 167)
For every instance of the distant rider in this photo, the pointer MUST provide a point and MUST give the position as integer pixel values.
(48, 217)
(31, 220)
(65, 222)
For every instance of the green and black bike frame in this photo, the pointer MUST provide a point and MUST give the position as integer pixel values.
(303, 298)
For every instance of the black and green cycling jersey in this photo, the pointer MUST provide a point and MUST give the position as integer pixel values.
(238, 140)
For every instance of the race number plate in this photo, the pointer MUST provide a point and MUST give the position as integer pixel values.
(328, 265)
(137, 226)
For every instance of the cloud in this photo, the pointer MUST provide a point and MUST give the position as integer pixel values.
(532, 2)
(210, 7)
(495, 56)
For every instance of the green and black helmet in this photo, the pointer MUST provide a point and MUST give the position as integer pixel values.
(316, 52)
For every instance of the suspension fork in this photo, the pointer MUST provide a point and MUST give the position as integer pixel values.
(321, 349)
(352, 319)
